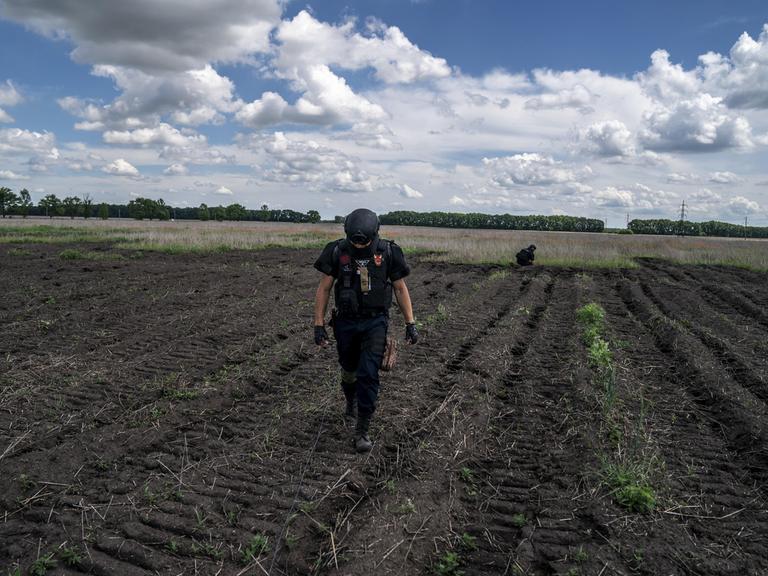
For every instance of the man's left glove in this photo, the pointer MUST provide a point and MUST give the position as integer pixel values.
(321, 336)
(411, 334)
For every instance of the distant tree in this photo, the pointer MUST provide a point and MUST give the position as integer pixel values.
(313, 216)
(25, 202)
(51, 204)
(338, 219)
(160, 210)
(136, 209)
(264, 207)
(8, 200)
(236, 212)
(87, 205)
(203, 212)
(72, 206)
(219, 213)
(103, 211)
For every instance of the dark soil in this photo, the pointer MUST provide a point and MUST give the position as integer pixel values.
(170, 414)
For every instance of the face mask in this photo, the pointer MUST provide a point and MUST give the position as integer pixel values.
(366, 252)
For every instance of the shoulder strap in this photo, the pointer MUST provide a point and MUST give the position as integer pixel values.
(342, 248)
(338, 247)
(384, 247)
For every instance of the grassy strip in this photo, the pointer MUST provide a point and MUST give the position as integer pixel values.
(486, 247)
(75, 254)
(627, 479)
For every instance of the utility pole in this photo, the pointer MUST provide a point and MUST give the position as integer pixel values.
(627, 219)
(745, 225)
(681, 227)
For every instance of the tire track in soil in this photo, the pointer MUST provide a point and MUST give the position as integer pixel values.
(191, 356)
(732, 412)
(747, 369)
(32, 520)
(703, 482)
(722, 290)
(364, 502)
(259, 504)
(531, 519)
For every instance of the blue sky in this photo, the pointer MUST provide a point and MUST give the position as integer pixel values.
(599, 109)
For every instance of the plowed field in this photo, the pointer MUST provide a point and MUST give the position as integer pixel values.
(170, 414)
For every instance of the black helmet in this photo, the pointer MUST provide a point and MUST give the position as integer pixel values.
(361, 226)
(531, 247)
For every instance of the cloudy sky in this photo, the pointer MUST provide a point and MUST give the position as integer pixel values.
(591, 108)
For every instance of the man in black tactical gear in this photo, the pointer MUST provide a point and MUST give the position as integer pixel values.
(525, 256)
(366, 270)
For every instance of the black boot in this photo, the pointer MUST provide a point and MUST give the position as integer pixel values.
(351, 412)
(362, 442)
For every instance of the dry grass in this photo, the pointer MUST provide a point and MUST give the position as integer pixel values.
(476, 246)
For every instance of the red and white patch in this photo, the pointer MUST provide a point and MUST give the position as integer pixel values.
(377, 259)
(344, 259)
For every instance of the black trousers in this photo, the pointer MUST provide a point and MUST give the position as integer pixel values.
(360, 343)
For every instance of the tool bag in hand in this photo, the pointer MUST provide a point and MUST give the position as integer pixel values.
(390, 354)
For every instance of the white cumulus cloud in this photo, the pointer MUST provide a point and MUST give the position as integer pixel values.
(608, 138)
(532, 169)
(743, 206)
(10, 175)
(176, 169)
(162, 135)
(697, 124)
(121, 167)
(154, 36)
(408, 192)
(724, 178)
(308, 50)
(302, 161)
(9, 96)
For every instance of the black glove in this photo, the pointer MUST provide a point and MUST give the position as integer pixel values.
(321, 336)
(411, 334)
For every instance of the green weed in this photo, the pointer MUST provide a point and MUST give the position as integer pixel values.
(206, 549)
(407, 507)
(258, 545)
(630, 487)
(448, 565)
(591, 314)
(467, 475)
(71, 254)
(468, 542)
(42, 565)
(70, 556)
(390, 486)
(581, 555)
(440, 315)
(519, 520)
(599, 354)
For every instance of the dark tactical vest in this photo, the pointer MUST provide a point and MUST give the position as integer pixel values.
(351, 297)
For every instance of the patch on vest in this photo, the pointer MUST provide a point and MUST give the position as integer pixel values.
(344, 259)
(377, 258)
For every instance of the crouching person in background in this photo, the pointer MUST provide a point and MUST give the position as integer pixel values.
(525, 256)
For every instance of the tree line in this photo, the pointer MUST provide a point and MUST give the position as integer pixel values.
(493, 221)
(687, 228)
(21, 204)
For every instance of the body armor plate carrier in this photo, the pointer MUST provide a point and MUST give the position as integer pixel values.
(352, 299)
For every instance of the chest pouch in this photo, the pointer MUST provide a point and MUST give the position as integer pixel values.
(347, 298)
